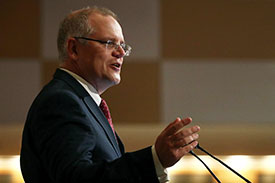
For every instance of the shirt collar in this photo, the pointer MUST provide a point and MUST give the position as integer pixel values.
(88, 87)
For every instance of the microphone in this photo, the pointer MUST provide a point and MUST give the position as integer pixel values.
(212, 156)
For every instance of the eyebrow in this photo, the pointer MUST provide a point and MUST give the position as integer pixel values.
(114, 40)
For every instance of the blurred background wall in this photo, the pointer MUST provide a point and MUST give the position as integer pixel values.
(212, 60)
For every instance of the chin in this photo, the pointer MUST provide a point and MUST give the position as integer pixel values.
(117, 81)
(111, 80)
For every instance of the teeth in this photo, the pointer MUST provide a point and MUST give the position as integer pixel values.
(117, 65)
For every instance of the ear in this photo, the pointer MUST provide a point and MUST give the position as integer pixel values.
(72, 48)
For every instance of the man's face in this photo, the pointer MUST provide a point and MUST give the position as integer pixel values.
(98, 64)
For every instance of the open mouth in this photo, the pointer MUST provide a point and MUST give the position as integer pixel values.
(117, 65)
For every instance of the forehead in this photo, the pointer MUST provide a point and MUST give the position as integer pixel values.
(106, 27)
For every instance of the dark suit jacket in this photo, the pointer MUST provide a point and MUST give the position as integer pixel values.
(67, 139)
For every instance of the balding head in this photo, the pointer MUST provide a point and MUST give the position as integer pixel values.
(76, 24)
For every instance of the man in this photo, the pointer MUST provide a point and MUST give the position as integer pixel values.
(68, 135)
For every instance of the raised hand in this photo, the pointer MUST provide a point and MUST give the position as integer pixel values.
(176, 141)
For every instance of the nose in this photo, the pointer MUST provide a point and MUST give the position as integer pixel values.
(119, 52)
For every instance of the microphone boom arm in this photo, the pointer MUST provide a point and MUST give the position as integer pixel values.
(212, 156)
(210, 171)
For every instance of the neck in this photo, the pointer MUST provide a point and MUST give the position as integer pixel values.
(100, 86)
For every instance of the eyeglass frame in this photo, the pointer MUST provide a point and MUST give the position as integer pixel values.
(127, 48)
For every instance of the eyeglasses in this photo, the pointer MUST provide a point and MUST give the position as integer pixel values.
(110, 44)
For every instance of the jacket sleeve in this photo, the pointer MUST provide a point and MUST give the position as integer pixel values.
(65, 141)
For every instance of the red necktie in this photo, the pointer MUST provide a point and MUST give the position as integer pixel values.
(104, 107)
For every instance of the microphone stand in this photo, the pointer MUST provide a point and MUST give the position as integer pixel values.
(212, 156)
(210, 171)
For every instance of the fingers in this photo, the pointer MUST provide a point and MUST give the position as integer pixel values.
(180, 137)
(185, 136)
(186, 133)
(186, 140)
(175, 126)
(186, 149)
(176, 141)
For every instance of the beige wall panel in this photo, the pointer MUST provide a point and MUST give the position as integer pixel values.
(219, 139)
(139, 19)
(20, 28)
(218, 92)
(20, 83)
(234, 138)
(218, 28)
(136, 98)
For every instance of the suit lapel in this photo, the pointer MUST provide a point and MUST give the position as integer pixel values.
(98, 114)
(120, 144)
(91, 105)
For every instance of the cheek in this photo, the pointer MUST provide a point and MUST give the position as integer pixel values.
(98, 63)
(100, 66)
